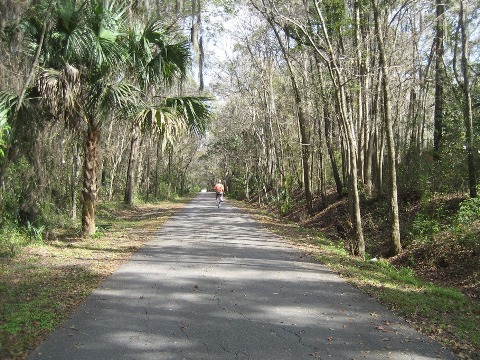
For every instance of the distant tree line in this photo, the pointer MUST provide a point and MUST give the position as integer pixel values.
(376, 99)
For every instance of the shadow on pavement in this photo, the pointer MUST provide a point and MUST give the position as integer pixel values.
(214, 284)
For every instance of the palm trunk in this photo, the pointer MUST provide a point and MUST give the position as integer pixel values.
(90, 173)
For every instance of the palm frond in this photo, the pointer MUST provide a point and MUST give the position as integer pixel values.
(166, 120)
(31, 28)
(70, 37)
(155, 56)
(60, 89)
(7, 105)
(195, 112)
(153, 31)
(108, 25)
(107, 97)
(79, 45)
(171, 61)
(8, 101)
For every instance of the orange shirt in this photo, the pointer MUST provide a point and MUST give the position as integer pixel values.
(218, 188)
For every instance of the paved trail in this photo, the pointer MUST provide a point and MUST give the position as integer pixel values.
(214, 284)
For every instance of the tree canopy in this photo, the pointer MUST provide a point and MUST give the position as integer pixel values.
(367, 100)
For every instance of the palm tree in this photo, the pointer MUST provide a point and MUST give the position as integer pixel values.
(81, 79)
(169, 118)
(86, 66)
(156, 63)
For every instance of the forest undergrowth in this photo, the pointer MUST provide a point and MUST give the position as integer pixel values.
(433, 283)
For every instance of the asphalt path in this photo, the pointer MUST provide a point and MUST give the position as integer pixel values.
(215, 284)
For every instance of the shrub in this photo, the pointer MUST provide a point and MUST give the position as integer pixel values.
(469, 210)
(424, 227)
(11, 240)
(35, 233)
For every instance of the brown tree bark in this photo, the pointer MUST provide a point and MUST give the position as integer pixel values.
(394, 217)
(90, 173)
(467, 104)
(129, 186)
(439, 79)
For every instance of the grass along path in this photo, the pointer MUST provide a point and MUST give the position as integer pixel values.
(442, 313)
(47, 280)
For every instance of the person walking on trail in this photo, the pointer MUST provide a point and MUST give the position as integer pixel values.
(219, 190)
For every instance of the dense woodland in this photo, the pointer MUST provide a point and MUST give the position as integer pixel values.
(143, 100)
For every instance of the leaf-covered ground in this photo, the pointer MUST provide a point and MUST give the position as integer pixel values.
(434, 247)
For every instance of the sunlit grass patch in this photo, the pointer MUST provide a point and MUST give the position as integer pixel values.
(43, 281)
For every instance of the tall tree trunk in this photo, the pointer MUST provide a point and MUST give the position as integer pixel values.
(75, 177)
(322, 176)
(90, 173)
(327, 122)
(156, 184)
(197, 39)
(410, 129)
(247, 180)
(129, 186)
(370, 111)
(331, 152)
(117, 160)
(139, 177)
(378, 139)
(359, 91)
(369, 160)
(367, 119)
(348, 126)
(302, 124)
(147, 176)
(169, 169)
(357, 245)
(273, 118)
(467, 104)
(439, 78)
(394, 217)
